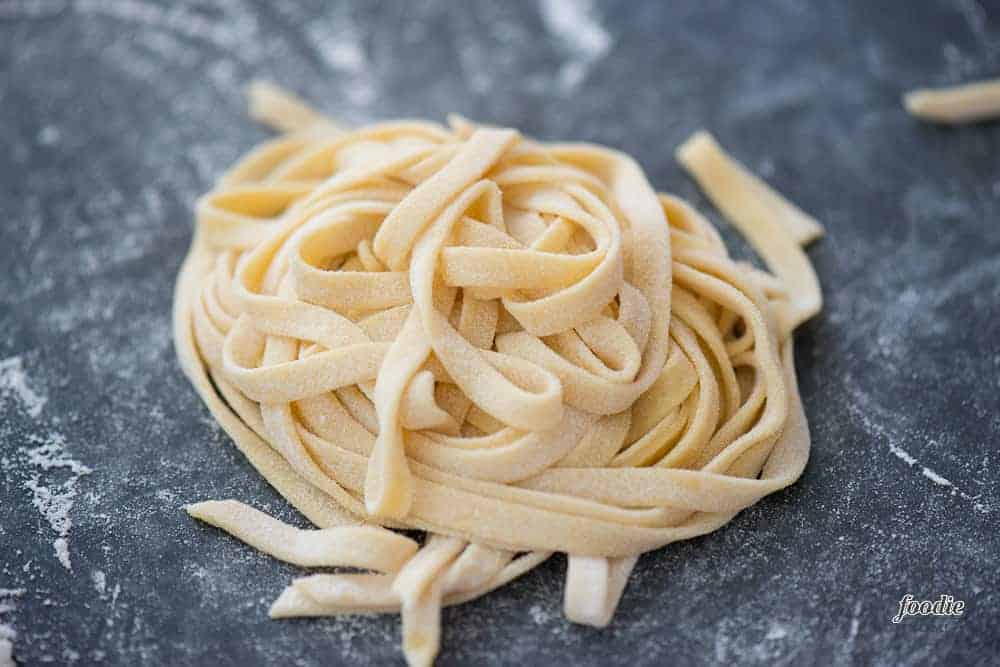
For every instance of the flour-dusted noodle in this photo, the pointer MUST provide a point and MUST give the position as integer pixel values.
(968, 103)
(369, 547)
(516, 347)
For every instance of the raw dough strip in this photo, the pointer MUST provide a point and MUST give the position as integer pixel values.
(513, 346)
(593, 588)
(368, 547)
(337, 594)
(968, 103)
(774, 226)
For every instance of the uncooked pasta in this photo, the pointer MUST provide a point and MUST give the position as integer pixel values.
(514, 348)
(968, 103)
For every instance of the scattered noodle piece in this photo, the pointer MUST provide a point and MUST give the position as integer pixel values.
(967, 103)
(282, 110)
(344, 546)
(515, 347)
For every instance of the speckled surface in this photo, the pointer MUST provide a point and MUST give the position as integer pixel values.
(114, 116)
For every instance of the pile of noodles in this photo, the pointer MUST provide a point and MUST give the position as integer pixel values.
(517, 347)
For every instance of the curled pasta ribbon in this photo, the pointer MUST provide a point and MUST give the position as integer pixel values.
(516, 347)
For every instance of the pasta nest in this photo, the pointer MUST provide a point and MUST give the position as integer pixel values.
(517, 345)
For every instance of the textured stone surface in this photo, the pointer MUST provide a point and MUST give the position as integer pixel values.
(115, 116)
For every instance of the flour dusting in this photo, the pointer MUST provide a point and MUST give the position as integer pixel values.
(7, 632)
(61, 545)
(541, 616)
(338, 43)
(49, 135)
(14, 384)
(936, 478)
(574, 24)
(238, 34)
(776, 631)
(876, 421)
(100, 582)
(902, 454)
(31, 9)
(911, 461)
(52, 498)
(976, 18)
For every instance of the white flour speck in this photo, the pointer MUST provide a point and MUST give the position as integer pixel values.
(339, 43)
(901, 454)
(53, 499)
(776, 631)
(51, 454)
(877, 427)
(574, 24)
(100, 582)
(7, 596)
(347, 56)
(539, 615)
(6, 653)
(855, 623)
(7, 632)
(49, 135)
(62, 552)
(238, 33)
(31, 9)
(14, 384)
(166, 495)
(936, 478)
(360, 93)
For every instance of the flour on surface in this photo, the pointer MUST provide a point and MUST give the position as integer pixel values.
(6, 653)
(31, 8)
(933, 476)
(936, 478)
(338, 43)
(61, 545)
(7, 632)
(14, 384)
(776, 631)
(100, 582)
(54, 499)
(238, 33)
(540, 615)
(574, 24)
(902, 454)
(49, 135)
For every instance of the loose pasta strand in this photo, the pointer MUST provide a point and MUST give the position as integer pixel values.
(968, 103)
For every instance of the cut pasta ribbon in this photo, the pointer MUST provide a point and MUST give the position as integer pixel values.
(368, 547)
(517, 348)
(969, 103)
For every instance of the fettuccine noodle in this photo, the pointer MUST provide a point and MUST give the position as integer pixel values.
(519, 348)
(956, 105)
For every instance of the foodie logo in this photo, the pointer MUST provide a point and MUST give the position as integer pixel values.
(945, 605)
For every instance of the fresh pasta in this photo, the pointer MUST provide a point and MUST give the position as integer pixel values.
(956, 105)
(517, 347)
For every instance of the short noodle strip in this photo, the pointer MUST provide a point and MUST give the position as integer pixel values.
(968, 103)
(515, 347)
(368, 547)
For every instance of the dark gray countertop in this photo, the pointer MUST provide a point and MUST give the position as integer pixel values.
(114, 116)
